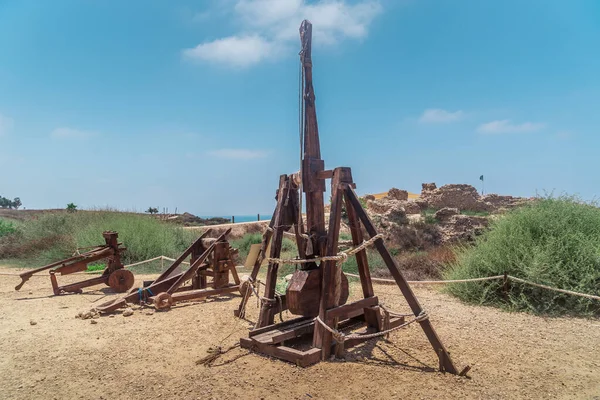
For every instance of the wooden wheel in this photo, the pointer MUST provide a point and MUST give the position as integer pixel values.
(163, 301)
(121, 280)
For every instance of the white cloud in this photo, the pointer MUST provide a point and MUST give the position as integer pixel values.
(239, 154)
(70, 133)
(267, 26)
(439, 116)
(6, 124)
(506, 126)
(564, 135)
(237, 51)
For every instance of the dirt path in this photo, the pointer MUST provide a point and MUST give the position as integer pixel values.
(152, 355)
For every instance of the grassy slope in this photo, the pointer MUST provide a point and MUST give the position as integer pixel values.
(52, 236)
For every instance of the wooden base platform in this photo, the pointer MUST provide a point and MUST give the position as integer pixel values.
(271, 340)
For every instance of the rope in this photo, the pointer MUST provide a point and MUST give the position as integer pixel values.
(391, 281)
(340, 337)
(341, 256)
(214, 352)
(588, 296)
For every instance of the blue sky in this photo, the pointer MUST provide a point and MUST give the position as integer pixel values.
(194, 104)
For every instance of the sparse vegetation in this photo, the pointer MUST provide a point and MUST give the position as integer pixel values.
(152, 210)
(54, 236)
(553, 241)
(71, 207)
(6, 228)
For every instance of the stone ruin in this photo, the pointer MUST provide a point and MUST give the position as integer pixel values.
(395, 212)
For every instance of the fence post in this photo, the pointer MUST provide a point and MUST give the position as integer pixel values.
(505, 286)
(258, 217)
(233, 219)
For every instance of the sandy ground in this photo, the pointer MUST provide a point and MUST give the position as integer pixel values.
(152, 354)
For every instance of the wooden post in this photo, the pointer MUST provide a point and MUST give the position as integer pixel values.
(266, 309)
(410, 297)
(361, 257)
(331, 271)
(233, 219)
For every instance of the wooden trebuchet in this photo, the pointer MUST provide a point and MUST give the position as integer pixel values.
(114, 275)
(318, 289)
(211, 262)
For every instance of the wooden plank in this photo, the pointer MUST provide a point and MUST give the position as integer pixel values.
(327, 174)
(280, 325)
(343, 311)
(293, 333)
(203, 293)
(410, 297)
(373, 318)
(300, 358)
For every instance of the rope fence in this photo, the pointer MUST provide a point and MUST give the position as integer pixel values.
(342, 256)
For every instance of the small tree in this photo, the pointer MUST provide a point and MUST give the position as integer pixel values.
(16, 203)
(5, 203)
(152, 210)
(71, 207)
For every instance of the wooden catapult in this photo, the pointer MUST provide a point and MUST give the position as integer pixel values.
(318, 289)
(211, 262)
(118, 279)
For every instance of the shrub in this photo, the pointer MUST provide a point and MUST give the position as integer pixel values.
(553, 241)
(6, 228)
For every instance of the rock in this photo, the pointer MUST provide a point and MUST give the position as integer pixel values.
(30, 292)
(288, 277)
(128, 312)
(397, 194)
(504, 202)
(93, 322)
(422, 203)
(380, 206)
(368, 197)
(462, 227)
(32, 322)
(463, 197)
(427, 187)
(411, 207)
(445, 213)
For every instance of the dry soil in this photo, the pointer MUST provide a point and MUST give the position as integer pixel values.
(47, 353)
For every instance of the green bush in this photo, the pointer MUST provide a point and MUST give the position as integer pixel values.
(553, 241)
(6, 228)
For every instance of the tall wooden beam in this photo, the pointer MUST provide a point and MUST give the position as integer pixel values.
(312, 164)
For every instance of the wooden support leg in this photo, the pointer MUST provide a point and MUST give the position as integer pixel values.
(267, 313)
(361, 256)
(241, 311)
(410, 297)
(331, 273)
